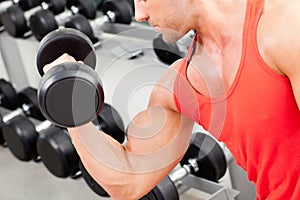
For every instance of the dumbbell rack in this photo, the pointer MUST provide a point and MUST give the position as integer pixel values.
(18, 56)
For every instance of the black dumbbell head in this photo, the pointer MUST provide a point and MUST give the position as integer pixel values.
(41, 23)
(14, 21)
(91, 182)
(56, 6)
(20, 136)
(58, 153)
(9, 97)
(28, 4)
(210, 157)
(82, 24)
(88, 8)
(121, 8)
(69, 41)
(111, 123)
(70, 94)
(167, 53)
(28, 96)
(165, 190)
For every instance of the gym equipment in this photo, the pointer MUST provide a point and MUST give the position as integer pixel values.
(169, 53)
(8, 95)
(15, 20)
(28, 105)
(69, 94)
(58, 153)
(21, 134)
(94, 186)
(43, 22)
(23, 4)
(114, 11)
(204, 158)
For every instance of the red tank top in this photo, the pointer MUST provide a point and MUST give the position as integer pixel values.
(258, 118)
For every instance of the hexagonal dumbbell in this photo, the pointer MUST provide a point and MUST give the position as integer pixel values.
(8, 95)
(204, 158)
(69, 94)
(23, 4)
(114, 11)
(43, 22)
(28, 105)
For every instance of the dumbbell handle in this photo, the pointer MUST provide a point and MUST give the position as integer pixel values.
(43, 126)
(5, 4)
(184, 171)
(24, 109)
(64, 16)
(28, 13)
(100, 21)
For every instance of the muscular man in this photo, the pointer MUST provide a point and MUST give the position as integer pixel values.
(248, 96)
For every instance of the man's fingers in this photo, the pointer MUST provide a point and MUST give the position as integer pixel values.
(63, 58)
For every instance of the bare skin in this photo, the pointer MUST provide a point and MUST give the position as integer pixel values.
(122, 170)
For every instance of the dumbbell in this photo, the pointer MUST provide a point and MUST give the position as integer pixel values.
(8, 95)
(24, 5)
(28, 105)
(15, 20)
(69, 94)
(43, 22)
(58, 153)
(168, 53)
(21, 134)
(204, 158)
(114, 11)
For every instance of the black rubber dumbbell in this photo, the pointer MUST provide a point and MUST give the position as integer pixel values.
(69, 94)
(43, 22)
(21, 134)
(204, 158)
(16, 21)
(58, 153)
(23, 4)
(114, 11)
(28, 105)
(8, 95)
(168, 53)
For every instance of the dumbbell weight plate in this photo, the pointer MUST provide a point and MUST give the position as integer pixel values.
(14, 21)
(68, 41)
(28, 4)
(91, 182)
(121, 8)
(87, 8)
(211, 159)
(41, 22)
(165, 190)
(71, 97)
(61, 160)
(167, 53)
(81, 23)
(28, 96)
(20, 136)
(110, 122)
(56, 6)
(9, 97)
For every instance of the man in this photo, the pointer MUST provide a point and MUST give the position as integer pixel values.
(248, 95)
